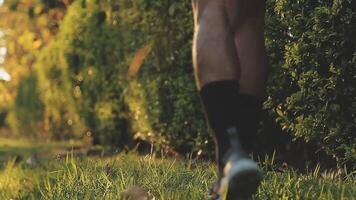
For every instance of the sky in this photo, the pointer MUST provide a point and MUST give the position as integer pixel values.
(4, 76)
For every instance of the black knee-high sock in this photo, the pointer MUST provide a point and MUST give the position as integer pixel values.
(250, 108)
(220, 104)
(226, 108)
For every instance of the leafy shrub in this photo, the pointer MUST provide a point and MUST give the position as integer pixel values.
(28, 108)
(60, 114)
(87, 67)
(27, 27)
(89, 57)
(167, 96)
(312, 87)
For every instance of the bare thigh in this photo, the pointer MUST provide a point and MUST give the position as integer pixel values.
(214, 51)
(246, 17)
(238, 11)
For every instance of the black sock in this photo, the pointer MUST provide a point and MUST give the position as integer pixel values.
(250, 107)
(226, 108)
(220, 104)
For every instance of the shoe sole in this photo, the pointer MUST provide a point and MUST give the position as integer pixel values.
(242, 180)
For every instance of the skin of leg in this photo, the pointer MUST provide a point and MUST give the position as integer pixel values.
(224, 29)
(216, 21)
(249, 42)
(214, 52)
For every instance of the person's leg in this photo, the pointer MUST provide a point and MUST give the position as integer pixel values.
(249, 41)
(220, 27)
(242, 176)
(216, 69)
(247, 18)
(214, 51)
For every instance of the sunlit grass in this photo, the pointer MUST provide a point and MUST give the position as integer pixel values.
(73, 177)
(14, 181)
(106, 178)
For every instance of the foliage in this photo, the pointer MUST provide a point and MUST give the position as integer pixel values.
(95, 46)
(27, 27)
(312, 87)
(168, 95)
(88, 50)
(28, 106)
(60, 118)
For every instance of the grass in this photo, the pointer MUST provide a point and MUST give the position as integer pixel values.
(72, 177)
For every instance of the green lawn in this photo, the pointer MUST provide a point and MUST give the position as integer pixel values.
(71, 177)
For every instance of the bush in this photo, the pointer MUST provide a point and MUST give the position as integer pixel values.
(163, 93)
(312, 87)
(77, 79)
(84, 75)
(28, 107)
(60, 117)
(27, 27)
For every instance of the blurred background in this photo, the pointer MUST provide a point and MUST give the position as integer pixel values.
(118, 74)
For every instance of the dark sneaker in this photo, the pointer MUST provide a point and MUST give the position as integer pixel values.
(214, 190)
(242, 175)
(240, 180)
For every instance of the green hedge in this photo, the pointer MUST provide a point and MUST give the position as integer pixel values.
(312, 86)
(97, 42)
(61, 118)
(28, 108)
(167, 92)
(88, 57)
